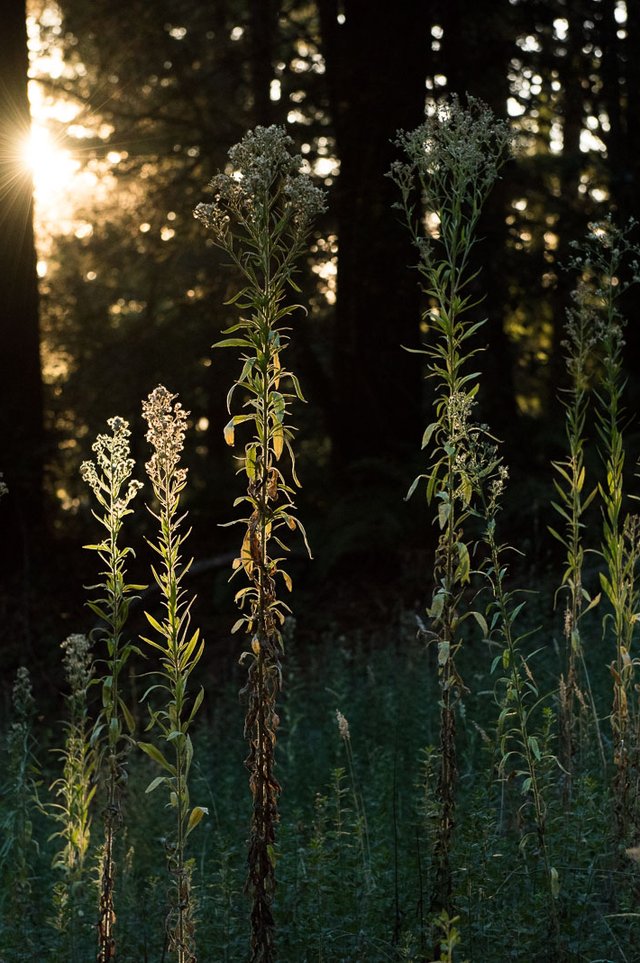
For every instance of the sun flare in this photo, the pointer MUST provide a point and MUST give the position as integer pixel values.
(52, 166)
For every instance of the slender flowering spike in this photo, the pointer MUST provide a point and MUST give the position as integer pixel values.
(261, 216)
(74, 791)
(167, 424)
(608, 265)
(180, 651)
(109, 477)
(451, 162)
(343, 725)
(22, 695)
(19, 794)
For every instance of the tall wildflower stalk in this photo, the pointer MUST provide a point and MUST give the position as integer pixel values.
(260, 217)
(74, 790)
(20, 800)
(524, 752)
(180, 650)
(453, 160)
(582, 339)
(109, 477)
(602, 261)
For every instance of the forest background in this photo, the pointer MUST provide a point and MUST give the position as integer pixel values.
(117, 287)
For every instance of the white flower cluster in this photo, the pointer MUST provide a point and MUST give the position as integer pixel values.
(167, 424)
(465, 146)
(452, 161)
(3, 488)
(263, 169)
(77, 662)
(113, 466)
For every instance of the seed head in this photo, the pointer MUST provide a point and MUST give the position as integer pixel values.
(77, 662)
(22, 695)
(167, 424)
(343, 726)
(113, 466)
(263, 169)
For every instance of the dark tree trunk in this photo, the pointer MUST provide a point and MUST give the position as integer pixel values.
(261, 26)
(376, 63)
(21, 429)
(623, 152)
(476, 48)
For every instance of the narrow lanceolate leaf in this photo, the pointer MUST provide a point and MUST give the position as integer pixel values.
(278, 440)
(196, 816)
(233, 343)
(158, 781)
(154, 753)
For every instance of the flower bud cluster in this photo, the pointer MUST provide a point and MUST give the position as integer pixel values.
(113, 466)
(167, 425)
(77, 662)
(264, 170)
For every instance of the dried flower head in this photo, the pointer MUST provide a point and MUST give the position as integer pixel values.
(167, 425)
(77, 662)
(457, 152)
(263, 168)
(22, 695)
(343, 726)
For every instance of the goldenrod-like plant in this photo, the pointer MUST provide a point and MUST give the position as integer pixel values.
(109, 477)
(603, 260)
(20, 802)
(260, 217)
(359, 810)
(453, 160)
(573, 500)
(523, 748)
(180, 651)
(74, 790)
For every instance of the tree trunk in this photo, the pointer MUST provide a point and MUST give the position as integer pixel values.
(21, 428)
(480, 70)
(370, 55)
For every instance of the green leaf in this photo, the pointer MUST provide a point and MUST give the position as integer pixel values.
(535, 748)
(154, 753)
(155, 783)
(251, 457)
(429, 430)
(126, 712)
(155, 624)
(437, 606)
(413, 486)
(196, 705)
(233, 343)
(482, 622)
(444, 649)
(444, 511)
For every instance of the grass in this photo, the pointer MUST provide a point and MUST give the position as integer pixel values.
(329, 905)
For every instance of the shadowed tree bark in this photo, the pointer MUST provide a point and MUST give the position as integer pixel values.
(21, 430)
(480, 68)
(371, 55)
